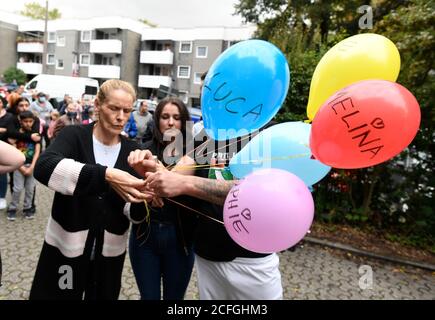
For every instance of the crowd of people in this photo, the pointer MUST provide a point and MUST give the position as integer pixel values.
(111, 166)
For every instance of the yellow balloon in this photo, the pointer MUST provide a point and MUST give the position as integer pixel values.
(360, 57)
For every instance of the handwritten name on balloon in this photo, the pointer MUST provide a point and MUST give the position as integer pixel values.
(225, 94)
(238, 219)
(357, 128)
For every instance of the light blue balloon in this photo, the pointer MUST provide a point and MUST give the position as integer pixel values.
(283, 146)
(244, 89)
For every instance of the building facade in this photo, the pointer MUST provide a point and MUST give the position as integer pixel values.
(8, 38)
(176, 58)
(119, 48)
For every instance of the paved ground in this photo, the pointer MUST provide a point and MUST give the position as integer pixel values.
(311, 272)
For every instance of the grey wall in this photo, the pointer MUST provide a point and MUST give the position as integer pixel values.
(84, 48)
(67, 53)
(182, 59)
(202, 65)
(129, 59)
(8, 46)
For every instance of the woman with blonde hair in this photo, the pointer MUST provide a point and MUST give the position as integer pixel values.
(96, 195)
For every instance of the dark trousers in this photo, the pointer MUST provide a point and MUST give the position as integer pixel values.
(3, 185)
(160, 257)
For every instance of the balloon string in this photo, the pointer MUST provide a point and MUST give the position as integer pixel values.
(301, 155)
(204, 166)
(147, 218)
(196, 211)
(169, 167)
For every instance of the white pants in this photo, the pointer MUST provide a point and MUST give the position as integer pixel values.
(240, 279)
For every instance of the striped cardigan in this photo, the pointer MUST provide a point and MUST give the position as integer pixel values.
(85, 211)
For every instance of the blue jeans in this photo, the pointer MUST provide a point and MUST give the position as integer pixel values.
(3, 184)
(161, 257)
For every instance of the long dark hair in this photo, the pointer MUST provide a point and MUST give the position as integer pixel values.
(184, 117)
(14, 108)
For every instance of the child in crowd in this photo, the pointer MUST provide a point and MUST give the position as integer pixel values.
(54, 115)
(23, 176)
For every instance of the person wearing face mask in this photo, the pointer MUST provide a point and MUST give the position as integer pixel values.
(42, 108)
(71, 117)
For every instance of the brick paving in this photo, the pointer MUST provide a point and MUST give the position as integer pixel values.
(309, 272)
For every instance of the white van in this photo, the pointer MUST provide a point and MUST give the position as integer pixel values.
(58, 86)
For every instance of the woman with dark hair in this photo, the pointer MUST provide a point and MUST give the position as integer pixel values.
(161, 248)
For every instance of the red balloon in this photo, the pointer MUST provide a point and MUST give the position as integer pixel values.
(364, 124)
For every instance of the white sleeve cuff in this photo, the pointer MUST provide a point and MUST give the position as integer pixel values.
(126, 211)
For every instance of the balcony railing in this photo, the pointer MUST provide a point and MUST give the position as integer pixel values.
(30, 67)
(106, 46)
(104, 71)
(30, 47)
(157, 57)
(147, 81)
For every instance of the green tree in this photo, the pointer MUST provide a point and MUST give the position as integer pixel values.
(13, 73)
(35, 11)
(396, 196)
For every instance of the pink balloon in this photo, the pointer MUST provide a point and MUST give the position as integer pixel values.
(269, 211)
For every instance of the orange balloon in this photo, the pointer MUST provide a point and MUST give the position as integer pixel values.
(364, 124)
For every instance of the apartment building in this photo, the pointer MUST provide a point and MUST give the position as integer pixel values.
(8, 36)
(176, 58)
(118, 48)
(101, 48)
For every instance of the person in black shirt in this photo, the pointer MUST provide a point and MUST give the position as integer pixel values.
(225, 270)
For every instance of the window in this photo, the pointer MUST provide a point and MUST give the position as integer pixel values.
(184, 96)
(50, 59)
(185, 46)
(86, 36)
(32, 85)
(51, 37)
(108, 61)
(61, 40)
(85, 59)
(183, 72)
(197, 77)
(59, 64)
(230, 43)
(91, 90)
(201, 52)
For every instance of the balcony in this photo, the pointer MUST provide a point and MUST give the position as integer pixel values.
(104, 71)
(157, 57)
(30, 47)
(106, 46)
(30, 67)
(153, 81)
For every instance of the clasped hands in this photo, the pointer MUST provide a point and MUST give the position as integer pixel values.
(159, 182)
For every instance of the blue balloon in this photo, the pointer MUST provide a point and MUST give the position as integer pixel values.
(283, 146)
(244, 89)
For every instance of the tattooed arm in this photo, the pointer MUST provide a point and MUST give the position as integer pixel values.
(171, 184)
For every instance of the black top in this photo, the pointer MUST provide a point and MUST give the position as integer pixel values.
(5, 122)
(184, 219)
(212, 241)
(14, 129)
(84, 203)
